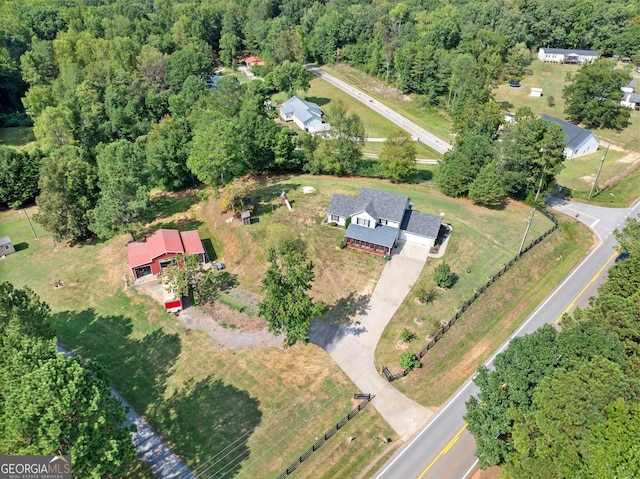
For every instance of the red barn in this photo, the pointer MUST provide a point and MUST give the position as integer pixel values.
(157, 253)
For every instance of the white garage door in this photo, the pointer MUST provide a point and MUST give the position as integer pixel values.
(414, 238)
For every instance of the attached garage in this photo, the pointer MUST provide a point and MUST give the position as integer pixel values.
(420, 228)
(417, 239)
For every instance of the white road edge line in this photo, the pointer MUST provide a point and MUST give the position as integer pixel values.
(470, 470)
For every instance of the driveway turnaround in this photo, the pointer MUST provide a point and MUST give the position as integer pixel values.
(353, 346)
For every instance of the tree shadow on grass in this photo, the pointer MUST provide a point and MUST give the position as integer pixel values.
(345, 309)
(138, 368)
(208, 417)
(420, 176)
(318, 100)
(267, 197)
(166, 204)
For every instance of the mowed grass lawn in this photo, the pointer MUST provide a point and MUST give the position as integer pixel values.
(268, 404)
(486, 324)
(552, 77)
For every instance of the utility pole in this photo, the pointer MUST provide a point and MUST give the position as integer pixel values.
(595, 182)
(533, 211)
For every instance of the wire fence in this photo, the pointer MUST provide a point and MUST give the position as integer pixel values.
(366, 398)
(477, 293)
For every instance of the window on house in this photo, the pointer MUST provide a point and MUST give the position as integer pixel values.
(335, 218)
(363, 222)
(6, 246)
(384, 222)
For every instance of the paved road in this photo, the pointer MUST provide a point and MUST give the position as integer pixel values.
(443, 449)
(419, 133)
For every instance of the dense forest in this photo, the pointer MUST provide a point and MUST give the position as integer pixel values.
(117, 92)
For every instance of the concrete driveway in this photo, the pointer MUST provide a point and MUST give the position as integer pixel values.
(353, 346)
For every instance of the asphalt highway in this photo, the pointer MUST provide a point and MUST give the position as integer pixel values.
(443, 449)
(417, 132)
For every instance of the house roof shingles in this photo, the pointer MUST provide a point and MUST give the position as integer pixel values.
(380, 235)
(575, 134)
(388, 206)
(421, 223)
(341, 205)
(5, 240)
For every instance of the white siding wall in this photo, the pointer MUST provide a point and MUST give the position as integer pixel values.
(341, 219)
(414, 238)
(364, 216)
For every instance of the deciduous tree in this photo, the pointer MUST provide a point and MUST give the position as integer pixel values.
(68, 191)
(124, 190)
(593, 96)
(398, 156)
(286, 306)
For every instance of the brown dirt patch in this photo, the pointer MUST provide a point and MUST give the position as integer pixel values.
(222, 313)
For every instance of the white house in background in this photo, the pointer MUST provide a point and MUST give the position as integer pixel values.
(6, 247)
(307, 115)
(579, 142)
(564, 55)
(631, 100)
(379, 219)
(630, 87)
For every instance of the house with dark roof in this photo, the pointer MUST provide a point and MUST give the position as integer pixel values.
(565, 55)
(379, 219)
(579, 141)
(159, 250)
(631, 100)
(306, 114)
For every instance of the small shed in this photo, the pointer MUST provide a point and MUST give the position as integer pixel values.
(537, 92)
(5, 246)
(246, 217)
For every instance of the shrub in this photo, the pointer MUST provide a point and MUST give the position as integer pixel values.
(347, 222)
(551, 101)
(426, 296)
(407, 335)
(333, 223)
(409, 361)
(387, 257)
(443, 276)
(342, 244)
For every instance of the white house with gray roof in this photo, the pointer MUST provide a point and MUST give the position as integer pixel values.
(306, 114)
(579, 141)
(379, 219)
(565, 55)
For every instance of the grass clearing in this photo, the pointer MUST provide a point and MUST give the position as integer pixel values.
(487, 323)
(18, 137)
(552, 77)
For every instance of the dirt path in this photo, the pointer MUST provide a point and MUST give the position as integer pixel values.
(230, 329)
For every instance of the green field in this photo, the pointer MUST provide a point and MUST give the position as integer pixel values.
(552, 77)
(486, 324)
(18, 137)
